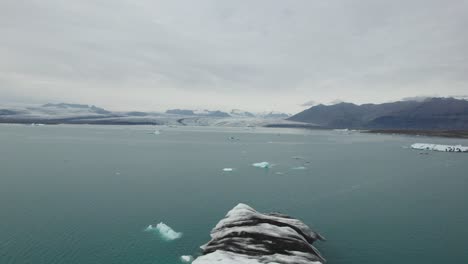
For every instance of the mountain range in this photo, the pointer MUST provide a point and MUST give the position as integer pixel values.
(428, 114)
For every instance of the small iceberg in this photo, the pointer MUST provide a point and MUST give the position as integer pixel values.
(297, 157)
(157, 132)
(228, 169)
(299, 168)
(341, 130)
(166, 232)
(246, 236)
(186, 258)
(263, 164)
(436, 147)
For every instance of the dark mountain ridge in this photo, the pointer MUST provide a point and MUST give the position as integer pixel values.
(430, 114)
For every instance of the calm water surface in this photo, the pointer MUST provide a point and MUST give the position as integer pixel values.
(84, 194)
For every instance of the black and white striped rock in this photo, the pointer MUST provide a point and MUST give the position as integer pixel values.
(247, 236)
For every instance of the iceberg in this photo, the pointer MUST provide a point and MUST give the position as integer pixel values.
(228, 169)
(262, 164)
(186, 258)
(299, 168)
(246, 236)
(166, 232)
(437, 147)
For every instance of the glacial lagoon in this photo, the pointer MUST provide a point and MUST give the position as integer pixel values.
(85, 194)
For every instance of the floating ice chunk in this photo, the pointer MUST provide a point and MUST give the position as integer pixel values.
(164, 231)
(262, 164)
(228, 169)
(297, 157)
(246, 236)
(157, 132)
(186, 258)
(299, 168)
(341, 130)
(436, 147)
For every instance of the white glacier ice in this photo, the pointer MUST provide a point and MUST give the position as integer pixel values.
(262, 164)
(437, 147)
(228, 169)
(166, 232)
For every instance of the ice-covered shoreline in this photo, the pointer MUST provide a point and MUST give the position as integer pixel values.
(247, 236)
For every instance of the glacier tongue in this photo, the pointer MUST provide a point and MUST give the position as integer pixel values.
(246, 236)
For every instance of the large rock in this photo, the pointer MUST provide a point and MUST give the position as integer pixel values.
(247, 236)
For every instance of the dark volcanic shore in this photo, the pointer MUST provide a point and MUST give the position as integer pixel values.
(428, 133)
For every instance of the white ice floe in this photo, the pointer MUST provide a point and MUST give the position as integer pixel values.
(262, 164)
(299, 168)
(186, 258)
(341, 130)
(437, 147)
(228, 169)
(297, 157)
(157, 132)
(166, 232)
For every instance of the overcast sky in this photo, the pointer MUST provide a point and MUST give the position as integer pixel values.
(247, 54)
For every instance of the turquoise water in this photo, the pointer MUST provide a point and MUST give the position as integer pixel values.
(84, 194)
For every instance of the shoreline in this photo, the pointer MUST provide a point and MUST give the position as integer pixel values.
(463, 134)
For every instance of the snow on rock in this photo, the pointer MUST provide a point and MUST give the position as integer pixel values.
(246, 236)
(436, 147)
(165, 231)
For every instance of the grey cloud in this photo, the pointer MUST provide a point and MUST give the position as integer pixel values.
(309, 103)
(247, 54)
